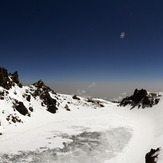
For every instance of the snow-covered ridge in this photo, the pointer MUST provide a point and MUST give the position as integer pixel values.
(40, 125)
(18, 102)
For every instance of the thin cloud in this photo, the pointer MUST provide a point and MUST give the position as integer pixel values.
(81, 92)
(93, 84)
(119, 98)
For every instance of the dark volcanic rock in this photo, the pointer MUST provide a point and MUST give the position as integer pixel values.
(4, 79)
(13, 118)
(151, 156)
(49, 102)
(140, 98)
(75, 97)
(31, 109)
(2, 95)
(41, 85)
(15, 77)
(28, 98)
(8, 80)
(43, 92)
(147, 101)
(139, 95)
(19, 106)
(96, 102)
(67, 107)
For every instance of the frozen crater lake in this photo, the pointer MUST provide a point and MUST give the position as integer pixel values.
(85, 147)
(107, 135)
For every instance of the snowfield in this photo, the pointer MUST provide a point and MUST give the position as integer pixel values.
(87, 133)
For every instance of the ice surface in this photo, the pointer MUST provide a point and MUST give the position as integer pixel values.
(85, 147)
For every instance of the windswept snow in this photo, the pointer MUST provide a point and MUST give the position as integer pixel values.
(38, 125)
(87, 133)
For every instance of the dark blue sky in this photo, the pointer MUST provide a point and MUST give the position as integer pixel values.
(79, 40)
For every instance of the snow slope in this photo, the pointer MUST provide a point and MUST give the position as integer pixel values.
(38, 125)
(81, 132)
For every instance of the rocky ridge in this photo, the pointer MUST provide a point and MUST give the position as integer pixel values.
(21, 98)
(24, 100)
(141, 98)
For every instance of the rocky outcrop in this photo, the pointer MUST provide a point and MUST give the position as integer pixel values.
(13, 118)
(67, 107)
(15, 77)
(19, 106)
(41, 85)
(139, 95)
(49, 102)
(141, 98)
(8, 80)
(151, 157)
(95, 102)
(43, 92)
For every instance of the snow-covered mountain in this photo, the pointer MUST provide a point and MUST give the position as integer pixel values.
(39, 125)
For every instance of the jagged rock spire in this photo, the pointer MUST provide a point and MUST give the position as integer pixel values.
(140, 98)
(8, 80)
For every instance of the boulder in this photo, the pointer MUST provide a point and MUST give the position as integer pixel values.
(75, 97)
(67, 107)
(28, 98)
(31, 109)
(151, 156)
(19, 106)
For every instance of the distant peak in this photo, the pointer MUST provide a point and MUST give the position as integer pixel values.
(141, 98)
(39, 84)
